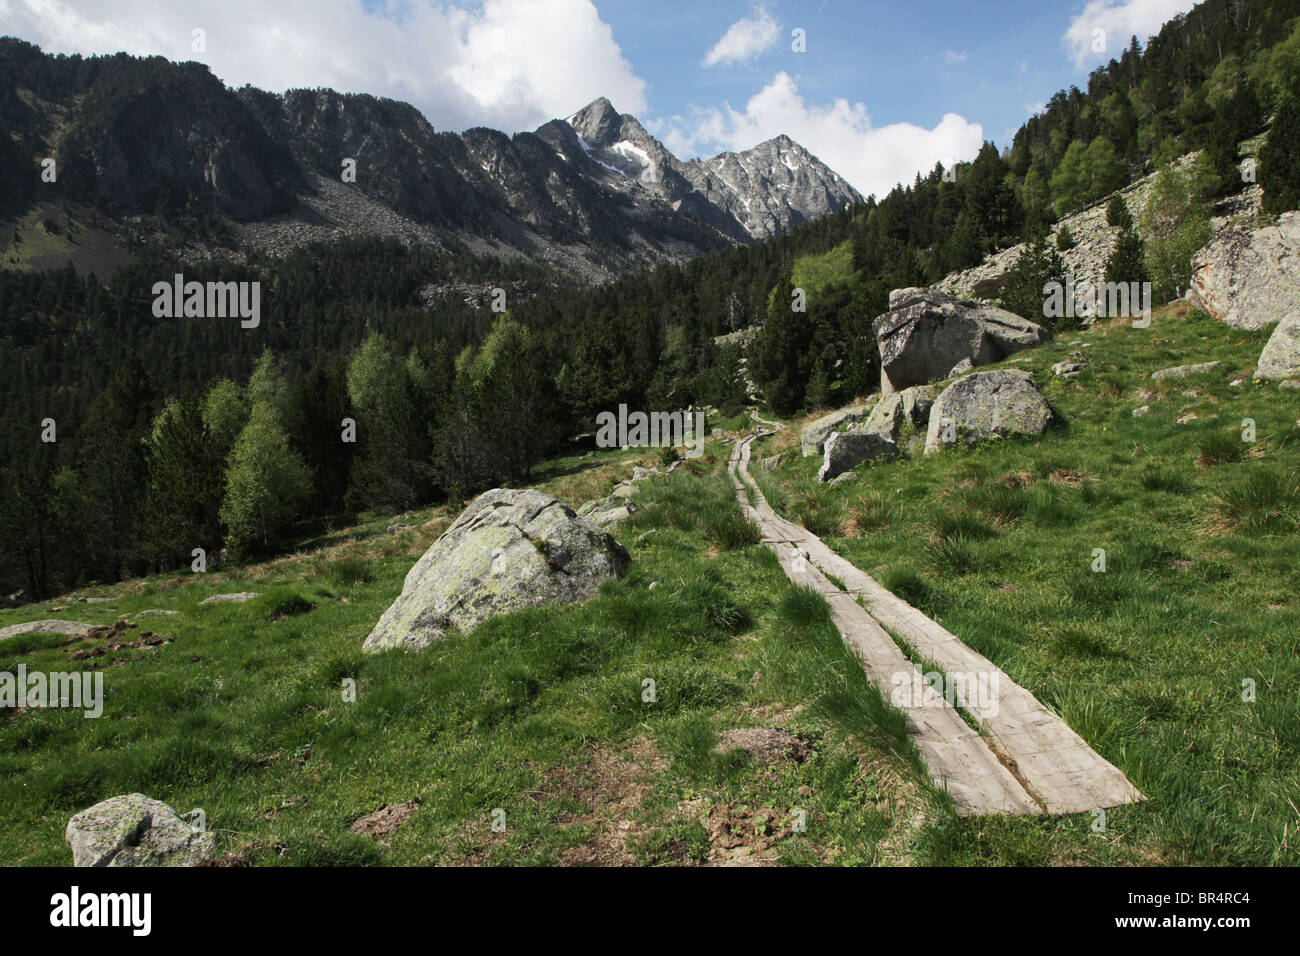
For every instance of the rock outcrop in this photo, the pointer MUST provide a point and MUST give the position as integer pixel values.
(846, 450)
(926, 334)
(1000, 403)
(1250, 279)
(812, 439)
(898, 410)
(133, 830)
(1280, 359)
(507, 551)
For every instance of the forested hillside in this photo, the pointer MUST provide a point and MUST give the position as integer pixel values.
(178, 434)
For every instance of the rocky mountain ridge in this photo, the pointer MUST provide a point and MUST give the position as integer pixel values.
(595, 195)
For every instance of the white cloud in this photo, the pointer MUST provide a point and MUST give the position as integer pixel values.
(744, 39)
(1117, 21)
(952, 56)
(509, 64)
(874, 159)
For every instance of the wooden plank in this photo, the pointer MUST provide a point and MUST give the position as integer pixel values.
(1054, 762)
(957, 758)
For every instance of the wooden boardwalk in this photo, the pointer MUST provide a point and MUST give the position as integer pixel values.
(1024, 759)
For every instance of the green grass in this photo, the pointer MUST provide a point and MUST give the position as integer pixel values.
(544, 713)
(1147, 660)
(247, 712)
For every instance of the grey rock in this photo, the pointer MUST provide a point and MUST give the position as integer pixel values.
(239, 597)
(1068, 369)
(812, 439)
(999, 403)
(843, 479)
(911, 407)
(1281, 356)
(1250, 278)
(926, 334)
(133, 830)
(1182, 371)
(608, 512)
(397, 527)
(507, 551)
(845, 450)
(774, 462)
(961, 368)
(157, 612)
(1141, 410)
(47, 627)
(1290, 385)
(640, 474)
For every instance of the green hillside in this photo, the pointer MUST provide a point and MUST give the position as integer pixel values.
(541, 713)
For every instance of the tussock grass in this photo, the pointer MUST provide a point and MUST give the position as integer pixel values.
(873, 512)
(1262, 499)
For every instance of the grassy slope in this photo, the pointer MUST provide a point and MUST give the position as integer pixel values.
(541, 713)
(1148, 659)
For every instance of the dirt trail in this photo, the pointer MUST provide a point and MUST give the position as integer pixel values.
(1026, 760)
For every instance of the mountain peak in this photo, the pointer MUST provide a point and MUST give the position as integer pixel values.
(598, 122)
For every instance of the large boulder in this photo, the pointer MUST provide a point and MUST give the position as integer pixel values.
(1000, 402)
(1281, 356)
(1250, 279)
(894, 412)
(813, 438)
(508, 550)
(133, 830)
(846, 450)
(927, 334)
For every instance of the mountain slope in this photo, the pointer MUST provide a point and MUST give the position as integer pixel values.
(595, 195)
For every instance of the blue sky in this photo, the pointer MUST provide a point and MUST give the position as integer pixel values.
(883, 89)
